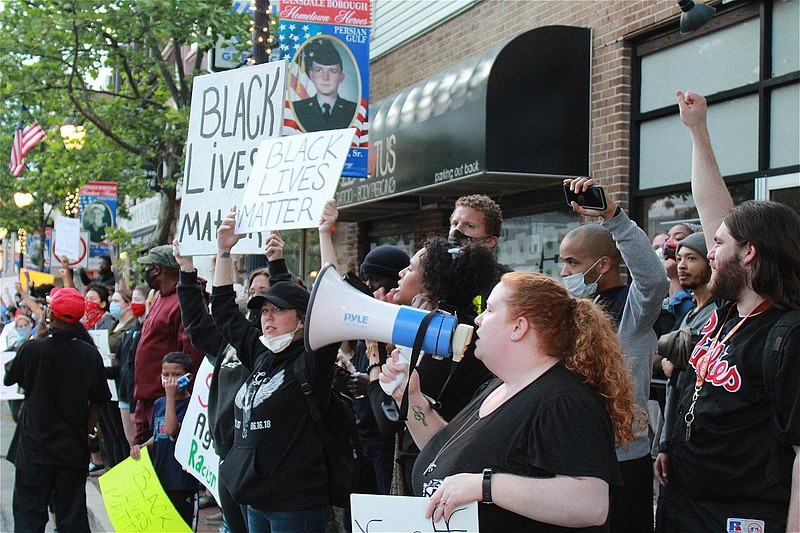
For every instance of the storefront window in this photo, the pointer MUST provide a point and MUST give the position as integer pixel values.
(785, 37)
(709, 64)
(401, 240)
(665, 156)
(664, 211)
(784, 126)
(531, 242)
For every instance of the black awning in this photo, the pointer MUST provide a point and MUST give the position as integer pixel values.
(514, 118)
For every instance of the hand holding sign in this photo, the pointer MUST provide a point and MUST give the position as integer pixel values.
(226, 238)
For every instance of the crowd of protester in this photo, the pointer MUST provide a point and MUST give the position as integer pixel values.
(545, 420)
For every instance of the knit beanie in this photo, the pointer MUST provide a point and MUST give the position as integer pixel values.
(696, 242)
(385, 260)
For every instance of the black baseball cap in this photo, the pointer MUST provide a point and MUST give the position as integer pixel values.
(284, 294)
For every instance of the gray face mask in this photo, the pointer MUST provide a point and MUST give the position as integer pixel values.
(576, 284)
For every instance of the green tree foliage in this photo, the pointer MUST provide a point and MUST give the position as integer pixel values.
(122, 68)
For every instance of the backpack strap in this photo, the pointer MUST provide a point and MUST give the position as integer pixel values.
(773, 356)
(300, 369)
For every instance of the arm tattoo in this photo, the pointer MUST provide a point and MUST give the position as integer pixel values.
(419, 414)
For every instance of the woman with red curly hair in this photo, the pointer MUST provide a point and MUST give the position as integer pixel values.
(535, 445)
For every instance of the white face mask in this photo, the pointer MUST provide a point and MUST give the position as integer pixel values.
(576, 284)
(660, 253)
(279, 343)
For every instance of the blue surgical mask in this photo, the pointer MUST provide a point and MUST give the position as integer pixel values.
(576, 284)
(24, 332)
(115, 310)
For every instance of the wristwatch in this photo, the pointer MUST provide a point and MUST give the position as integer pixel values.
(487, 485)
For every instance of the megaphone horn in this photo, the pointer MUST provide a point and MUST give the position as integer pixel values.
(338, 312)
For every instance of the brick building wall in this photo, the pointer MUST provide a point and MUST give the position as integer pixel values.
(491, 21)
(495, 20)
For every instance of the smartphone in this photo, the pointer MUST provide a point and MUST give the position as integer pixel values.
(591, 198)
(183, 381)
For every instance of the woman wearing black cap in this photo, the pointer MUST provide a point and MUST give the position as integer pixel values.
(276, 466)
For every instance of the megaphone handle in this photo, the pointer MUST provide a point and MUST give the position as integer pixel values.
(400, 379)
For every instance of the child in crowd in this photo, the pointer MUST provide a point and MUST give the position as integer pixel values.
(168, 413)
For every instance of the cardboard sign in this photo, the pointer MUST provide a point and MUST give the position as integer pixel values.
(232, 113)
(194, 449)
(135, 500)
(79, 260)
(292, 179)
(8, 392)
(375, 514)
(69, 245)
(100, 339)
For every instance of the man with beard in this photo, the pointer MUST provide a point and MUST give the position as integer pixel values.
(162, 332)
(734, 456)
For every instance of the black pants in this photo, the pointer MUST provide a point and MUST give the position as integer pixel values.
(632, 504)
(117, 448)
(32, 490)
(184, 502)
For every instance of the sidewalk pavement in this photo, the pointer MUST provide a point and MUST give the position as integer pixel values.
(98, 518)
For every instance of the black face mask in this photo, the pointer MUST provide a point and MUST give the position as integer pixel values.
(458, 238)
(150, 279)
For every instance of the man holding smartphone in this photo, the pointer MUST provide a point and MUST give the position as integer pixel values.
(594, 252)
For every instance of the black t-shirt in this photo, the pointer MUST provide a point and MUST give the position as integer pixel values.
(554, 426)
(721, 472)
(61, 375)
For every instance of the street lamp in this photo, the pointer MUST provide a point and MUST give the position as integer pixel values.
(23, 199)
(693, 15)
(72, 134)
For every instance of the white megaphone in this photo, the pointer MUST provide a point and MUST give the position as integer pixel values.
(338, 312)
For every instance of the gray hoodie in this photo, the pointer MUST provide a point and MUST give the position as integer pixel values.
(649, 285)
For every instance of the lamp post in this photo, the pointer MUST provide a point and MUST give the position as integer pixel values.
(72, 134)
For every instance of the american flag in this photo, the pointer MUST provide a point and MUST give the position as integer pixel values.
(24, 140)
(293, 35)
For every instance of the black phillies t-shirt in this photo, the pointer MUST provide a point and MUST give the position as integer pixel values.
(721, 472)
(554, 426)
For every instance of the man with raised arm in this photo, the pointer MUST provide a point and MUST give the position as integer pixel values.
(732, 464)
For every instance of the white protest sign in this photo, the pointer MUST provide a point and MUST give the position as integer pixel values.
(292, 179)
(194, 449)
(100, 339)
(377, 514)
(8, 392)
(79, 260)
(231, 113)
(69, 237)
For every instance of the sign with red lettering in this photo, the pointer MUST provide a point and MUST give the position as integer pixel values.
(327, 43)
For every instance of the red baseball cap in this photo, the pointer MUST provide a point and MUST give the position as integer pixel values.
(66, 304)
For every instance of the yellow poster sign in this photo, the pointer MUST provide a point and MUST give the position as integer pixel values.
(135, 501)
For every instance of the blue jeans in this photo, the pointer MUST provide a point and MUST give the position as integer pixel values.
(309, 520)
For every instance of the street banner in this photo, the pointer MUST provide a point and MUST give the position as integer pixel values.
(135, 500)
(69, 244)
(327, 44)
(292, 179)
(8, 392)
(232, 113)
(80, 260)
(97, 206)
(194, 449)
(377, 514)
